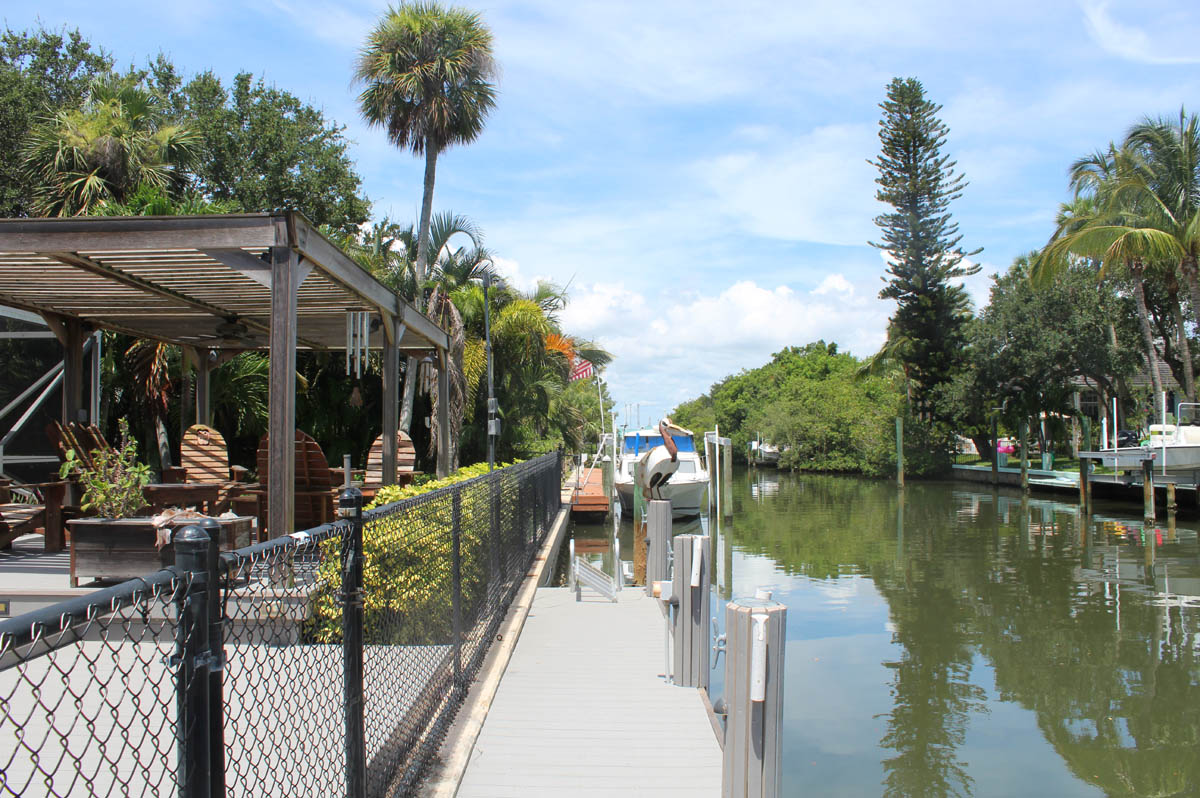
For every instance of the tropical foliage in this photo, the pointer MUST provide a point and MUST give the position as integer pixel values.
(81, 159)
(813, 403)
(153, 142)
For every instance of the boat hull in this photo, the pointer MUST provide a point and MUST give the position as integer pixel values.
(688, 498)
(1178, 457)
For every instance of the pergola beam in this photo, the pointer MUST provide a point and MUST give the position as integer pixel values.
(138, 232)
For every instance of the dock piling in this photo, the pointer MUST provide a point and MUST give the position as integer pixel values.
(727, 480)
(1084, 468)
(690, 586)
(1148, 513)
(755, 636)
(1171, 505)
(658, 525)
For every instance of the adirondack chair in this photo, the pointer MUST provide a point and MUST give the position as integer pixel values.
(205, 457)
(406, 461)
(316, 487)
(22, 517)
(86, 439)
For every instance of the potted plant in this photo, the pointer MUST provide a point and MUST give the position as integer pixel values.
(119, 543)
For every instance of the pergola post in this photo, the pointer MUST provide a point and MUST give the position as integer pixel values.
(281, 425)
(204, 388)
(393, 332)
(72, 386)
(443, 411)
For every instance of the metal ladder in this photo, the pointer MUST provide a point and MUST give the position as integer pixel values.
(583, 573)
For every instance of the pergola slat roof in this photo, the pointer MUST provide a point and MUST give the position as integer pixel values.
(233, 282)
(182, 279)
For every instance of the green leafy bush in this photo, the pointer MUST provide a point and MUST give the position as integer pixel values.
(112, 486)
(408, 566)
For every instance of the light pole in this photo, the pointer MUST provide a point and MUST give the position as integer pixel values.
(493, 423)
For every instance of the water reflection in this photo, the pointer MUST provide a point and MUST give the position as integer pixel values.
(946, 641)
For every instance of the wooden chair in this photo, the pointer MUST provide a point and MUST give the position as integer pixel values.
(204, 457)
(23, 517)
(406, 461)
(86, 439)
(316, 487)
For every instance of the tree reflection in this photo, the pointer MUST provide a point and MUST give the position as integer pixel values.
(1071, 632)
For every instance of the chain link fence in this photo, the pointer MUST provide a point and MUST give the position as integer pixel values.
(327, 662)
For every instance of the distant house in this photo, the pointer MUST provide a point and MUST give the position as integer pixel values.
(1093, 402)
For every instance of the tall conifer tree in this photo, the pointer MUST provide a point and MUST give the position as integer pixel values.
(927, 331)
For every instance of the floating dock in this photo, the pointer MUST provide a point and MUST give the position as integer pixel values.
(588, 494)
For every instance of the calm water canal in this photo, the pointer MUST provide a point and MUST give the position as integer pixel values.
(957, 641)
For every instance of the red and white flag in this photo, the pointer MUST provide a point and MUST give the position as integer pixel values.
(581, 369)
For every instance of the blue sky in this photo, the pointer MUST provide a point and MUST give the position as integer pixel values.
(697, 172)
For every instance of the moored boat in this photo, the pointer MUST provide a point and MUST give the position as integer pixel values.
(687, 488)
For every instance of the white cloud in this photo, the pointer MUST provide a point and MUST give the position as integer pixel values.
(511, 271)
(815, 187)
(673, 346)
(1169, 44)
(834, 284)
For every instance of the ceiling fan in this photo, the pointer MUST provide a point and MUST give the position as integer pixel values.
(233, 333)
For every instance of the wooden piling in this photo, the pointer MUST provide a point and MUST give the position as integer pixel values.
(690, 585)
(1083, 483)
(1171, 505)
(727, 481)
(710, 462)
(995, 451)
(900, 451)
(1024, 434)
(1148, 513)
(751, 765)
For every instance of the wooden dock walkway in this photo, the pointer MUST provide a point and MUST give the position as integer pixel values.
(588, 495)
(583, 710)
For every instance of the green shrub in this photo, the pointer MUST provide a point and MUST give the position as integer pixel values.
(407, 565)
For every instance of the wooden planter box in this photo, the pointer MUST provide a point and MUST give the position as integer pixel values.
(123, 549)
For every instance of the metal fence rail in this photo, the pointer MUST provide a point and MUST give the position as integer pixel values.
(328, 662)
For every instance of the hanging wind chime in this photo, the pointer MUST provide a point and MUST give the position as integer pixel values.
(358, 339)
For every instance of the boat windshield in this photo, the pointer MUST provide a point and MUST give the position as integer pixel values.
(635, 443)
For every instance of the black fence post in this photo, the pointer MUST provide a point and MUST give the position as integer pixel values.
(350, 508)
(191, 659)
(496, 557)
(456, 582)
(216, 662)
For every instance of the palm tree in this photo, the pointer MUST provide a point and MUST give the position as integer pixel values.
(1117, 221)
(83, 159)
(1166, 178)
(428, 72)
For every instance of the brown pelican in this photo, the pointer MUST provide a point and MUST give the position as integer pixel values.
(656, 466)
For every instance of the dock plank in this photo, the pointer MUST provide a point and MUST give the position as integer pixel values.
(583, 710)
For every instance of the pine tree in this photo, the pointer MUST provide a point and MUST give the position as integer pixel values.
(927, 331)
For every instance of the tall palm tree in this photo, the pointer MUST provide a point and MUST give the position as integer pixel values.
(428, 72)
(1117, 221)
(1166, 179)
(83, 159)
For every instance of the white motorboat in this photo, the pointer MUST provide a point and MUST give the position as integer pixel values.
(764, 454)
(1170, 447)
(687, 488)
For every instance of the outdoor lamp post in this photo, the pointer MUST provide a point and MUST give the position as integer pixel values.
(493, 423)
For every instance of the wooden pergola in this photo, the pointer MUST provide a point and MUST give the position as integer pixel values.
(211, 284)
